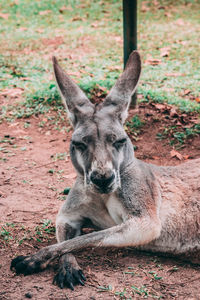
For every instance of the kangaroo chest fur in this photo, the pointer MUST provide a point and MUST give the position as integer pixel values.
(106, 211)
(115, 209)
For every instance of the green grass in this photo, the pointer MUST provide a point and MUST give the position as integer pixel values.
(134, 126)
(177, 136)
(14, 233)
(44, 231)
(87, 38)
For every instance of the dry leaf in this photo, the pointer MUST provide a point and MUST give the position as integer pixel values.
(13, 92)
(4, 16)
(144, 8)
(164, 51)
(156, 3)
(44, 120)
(95, 25)
(114, 68)
(161, 7)
(102, 88)
(24, 78)
(48, 133)
(77, 74)
(45, 12)
(176, 154)
(153, 61)
(173, 112)
(168, 89)
(187, 92)
(195, 120)
(118, 39)
(186, 157)
(64, 8)
(175, 74)
(77, 19)
(183, 42)
(40, 30)
(155, 157)
(2, 194)
(23, 28)
(61, 18)
(51, 77)
(167, 14)
(180, 22)
(160, 106)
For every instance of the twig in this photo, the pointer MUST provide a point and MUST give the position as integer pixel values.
(182, 283)
(44, 165)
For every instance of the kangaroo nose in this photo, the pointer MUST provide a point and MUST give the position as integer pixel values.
(102, 180)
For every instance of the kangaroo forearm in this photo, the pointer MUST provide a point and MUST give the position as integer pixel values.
(131, 233)
(65, 232)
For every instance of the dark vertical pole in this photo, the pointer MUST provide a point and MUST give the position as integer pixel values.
(130, 32)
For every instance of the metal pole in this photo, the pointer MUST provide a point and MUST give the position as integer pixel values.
(130, 32)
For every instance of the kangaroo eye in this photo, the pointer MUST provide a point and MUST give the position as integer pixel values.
(79, 146)
(118, 144)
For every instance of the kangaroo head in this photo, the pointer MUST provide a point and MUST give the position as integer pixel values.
(100, 147)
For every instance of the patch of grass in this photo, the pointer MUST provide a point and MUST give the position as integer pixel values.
(18, 234)
(44, 231)
(122, 294)
(155, 276)
(62, 198)
(104, 288)
(135, 123)
(134, 126)
(68, 29)
(159, 96)
(7, 139)
(39, 102)
(178, 136)
(143, 291)
(60, 156)
(5, 233)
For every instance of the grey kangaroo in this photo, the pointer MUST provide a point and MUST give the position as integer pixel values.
(132, 203)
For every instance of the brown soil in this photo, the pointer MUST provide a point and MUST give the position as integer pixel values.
(33, 174)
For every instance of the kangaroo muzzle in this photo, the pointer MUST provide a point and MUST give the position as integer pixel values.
(103, 181)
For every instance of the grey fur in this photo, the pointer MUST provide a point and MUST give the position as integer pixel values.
(132, 202)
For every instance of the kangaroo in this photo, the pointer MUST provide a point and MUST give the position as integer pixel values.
(133, 203)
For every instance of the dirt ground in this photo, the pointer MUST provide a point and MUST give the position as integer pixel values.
(35, 168)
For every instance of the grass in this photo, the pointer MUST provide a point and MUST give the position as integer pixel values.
(131, 291)
(5, 233)
(177, 136)
(134, 127)
(18, 234)
(87, 38)
(44, 231)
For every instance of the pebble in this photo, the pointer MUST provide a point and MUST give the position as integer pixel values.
(28, 295)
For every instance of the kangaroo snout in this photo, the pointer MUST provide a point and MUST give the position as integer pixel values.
(102, 180)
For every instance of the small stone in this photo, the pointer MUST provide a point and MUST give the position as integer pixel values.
(28, 295)
(66, 191)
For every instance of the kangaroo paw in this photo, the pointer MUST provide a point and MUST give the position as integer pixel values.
(69, 276)
(25, 265)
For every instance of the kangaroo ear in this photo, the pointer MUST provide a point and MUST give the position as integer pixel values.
(76, 103)
(119, 98)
